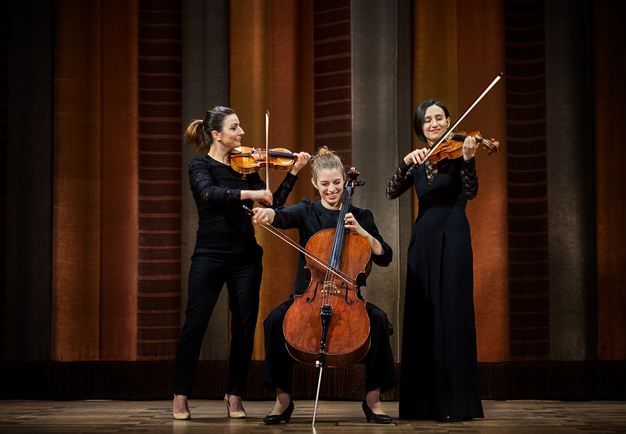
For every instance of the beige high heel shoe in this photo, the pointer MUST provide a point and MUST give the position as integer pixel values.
(233, 414)
(180, 416)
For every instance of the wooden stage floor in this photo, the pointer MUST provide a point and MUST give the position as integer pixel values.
(209, 416)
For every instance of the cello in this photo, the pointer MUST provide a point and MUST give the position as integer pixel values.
(328, 324)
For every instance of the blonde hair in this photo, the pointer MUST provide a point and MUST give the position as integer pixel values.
(199, 132)
(326, 159)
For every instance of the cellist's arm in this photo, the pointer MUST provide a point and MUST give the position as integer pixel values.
(353, 224)
(263, 215)
(282, 217)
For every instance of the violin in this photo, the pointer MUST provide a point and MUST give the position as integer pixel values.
(452, 147)
(248, 160)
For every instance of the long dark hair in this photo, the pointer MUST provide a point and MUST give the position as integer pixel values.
(418, 118)
(199, 132)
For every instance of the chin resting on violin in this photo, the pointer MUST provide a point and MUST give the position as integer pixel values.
(313, 218)
(226, 251)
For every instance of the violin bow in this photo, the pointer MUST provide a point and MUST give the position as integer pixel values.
(267, 149)
(443, 139)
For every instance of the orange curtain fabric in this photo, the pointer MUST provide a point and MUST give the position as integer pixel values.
(76, 226)
(118, 295)
(270, 70)
(95, 182)
(480, 58)
(610, 158)
(250, 60)
(291, 127)
(454, 64)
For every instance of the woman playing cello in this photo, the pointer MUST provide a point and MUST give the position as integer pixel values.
(310, 218)
(439, 365)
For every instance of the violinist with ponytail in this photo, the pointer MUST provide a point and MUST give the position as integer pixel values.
(439, 362)
(310, 218)
(226, 252)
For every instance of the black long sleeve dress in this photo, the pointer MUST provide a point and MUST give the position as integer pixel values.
(439, 361)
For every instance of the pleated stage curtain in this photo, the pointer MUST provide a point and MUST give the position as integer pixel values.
(455, 67)
(117, 181)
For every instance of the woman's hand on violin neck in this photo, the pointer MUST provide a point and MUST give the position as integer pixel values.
(469, 148)
(263, 215)
(416, 157)
(264, 197)
(302, 158)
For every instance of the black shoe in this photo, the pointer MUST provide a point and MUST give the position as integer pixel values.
(278, 418)
(378, 418)
(450, 419)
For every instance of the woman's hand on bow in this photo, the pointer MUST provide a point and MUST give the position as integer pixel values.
(263, 215)
(416, 157)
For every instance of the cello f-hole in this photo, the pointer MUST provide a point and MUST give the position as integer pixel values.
(310, 299)
(350, 302)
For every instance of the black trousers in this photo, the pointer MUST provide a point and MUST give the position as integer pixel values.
(380, 367)
(210, 270)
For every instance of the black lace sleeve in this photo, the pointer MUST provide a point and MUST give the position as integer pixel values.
(201, 180)
(401, 181)
(470, 179)
(282, 192)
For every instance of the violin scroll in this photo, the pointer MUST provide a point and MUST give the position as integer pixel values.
(491, 146)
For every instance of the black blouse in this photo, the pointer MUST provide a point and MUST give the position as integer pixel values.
(311, 217)
(222, 222)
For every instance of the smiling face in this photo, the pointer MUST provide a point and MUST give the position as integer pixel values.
(435, 124)
(330, 185)
(230, 136)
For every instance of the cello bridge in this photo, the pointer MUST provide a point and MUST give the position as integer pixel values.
(330, 288)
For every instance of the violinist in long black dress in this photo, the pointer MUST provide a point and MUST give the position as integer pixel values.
(439, 361)
(310, 218)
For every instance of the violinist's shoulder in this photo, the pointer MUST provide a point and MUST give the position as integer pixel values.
(198, 160)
